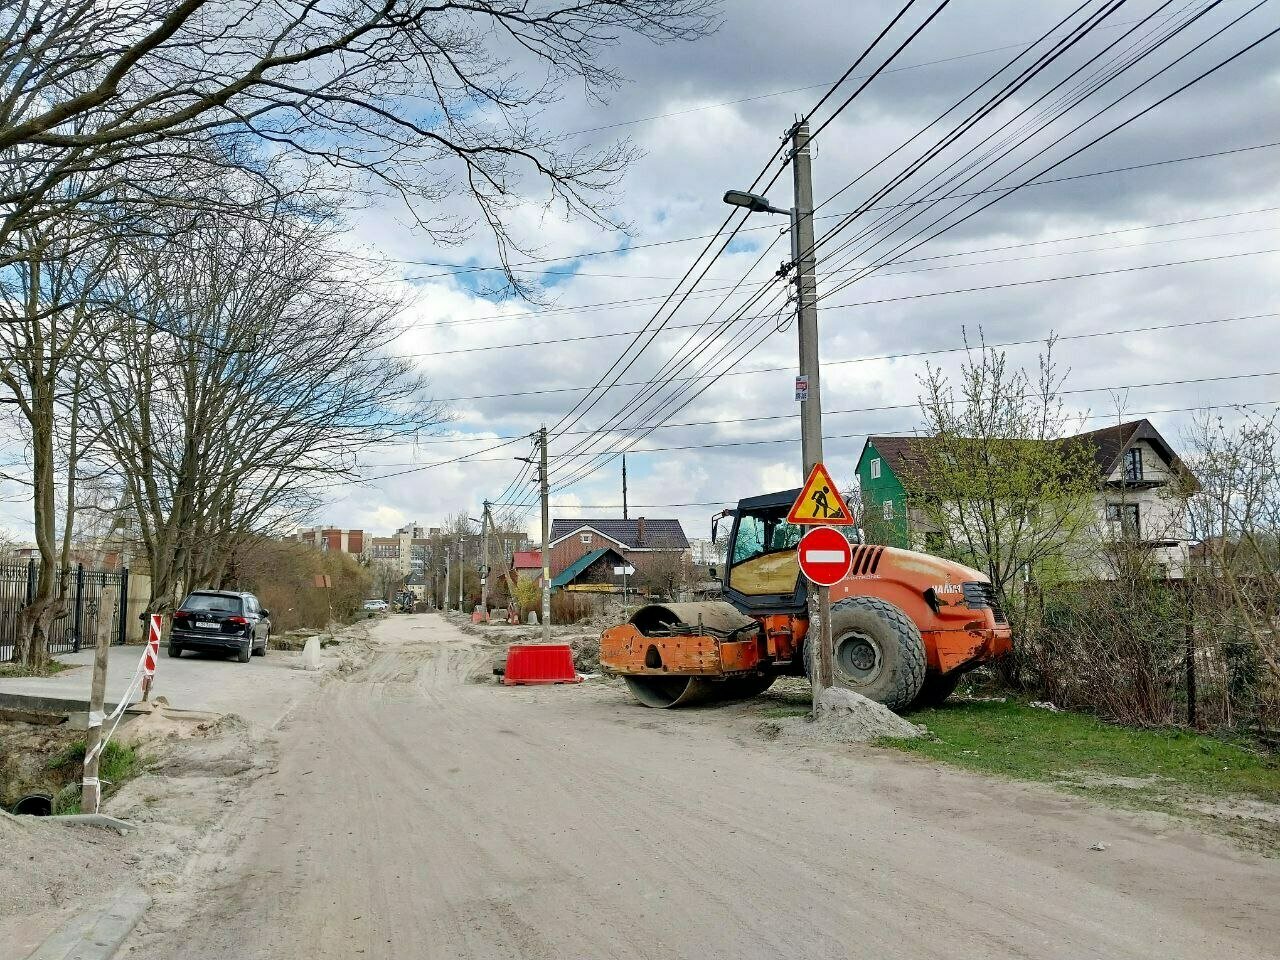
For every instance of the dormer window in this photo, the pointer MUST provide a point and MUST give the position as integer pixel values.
(1133, 465)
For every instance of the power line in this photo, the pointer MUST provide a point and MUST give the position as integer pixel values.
(631, 301)
(580, 474)
(1164, 327)
(901, 298)
(898, 273)
(1044, 118)
(665, 409)
(1110, 388)
(1081, 149)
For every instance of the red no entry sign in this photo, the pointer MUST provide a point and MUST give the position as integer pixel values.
(825, 556)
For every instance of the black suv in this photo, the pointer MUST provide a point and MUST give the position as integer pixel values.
(217, 620)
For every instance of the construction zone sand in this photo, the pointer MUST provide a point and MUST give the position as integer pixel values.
(845, 717)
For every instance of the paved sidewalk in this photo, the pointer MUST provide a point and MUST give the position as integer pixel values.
(261, 690)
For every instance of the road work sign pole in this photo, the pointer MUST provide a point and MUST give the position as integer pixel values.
(811, 402)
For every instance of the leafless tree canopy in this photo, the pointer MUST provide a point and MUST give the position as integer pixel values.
(243, 371)
(417, 99)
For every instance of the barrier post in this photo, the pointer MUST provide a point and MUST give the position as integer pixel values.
(151, 655)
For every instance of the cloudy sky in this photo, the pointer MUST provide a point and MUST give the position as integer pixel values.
(707, 116)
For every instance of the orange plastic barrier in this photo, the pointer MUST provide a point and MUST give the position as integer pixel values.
(540, 663)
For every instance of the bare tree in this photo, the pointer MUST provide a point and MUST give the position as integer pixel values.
(997, 482)
(245, 374)
(417, 99)
(50, 321)
(1234, 513)
(665, 573)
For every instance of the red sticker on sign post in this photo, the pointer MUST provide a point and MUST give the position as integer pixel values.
(825, 556)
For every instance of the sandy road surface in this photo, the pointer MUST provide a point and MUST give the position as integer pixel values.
(417, 816)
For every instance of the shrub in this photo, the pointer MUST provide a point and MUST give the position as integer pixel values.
(283, 575)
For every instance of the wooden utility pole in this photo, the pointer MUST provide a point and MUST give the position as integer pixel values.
(624, 487)
(91, 788)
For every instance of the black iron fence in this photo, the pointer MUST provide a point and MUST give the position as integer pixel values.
(96, 608)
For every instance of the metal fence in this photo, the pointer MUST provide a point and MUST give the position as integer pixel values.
(96, 610)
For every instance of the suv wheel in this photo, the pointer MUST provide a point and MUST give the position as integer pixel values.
(245, 649)
(262, 650)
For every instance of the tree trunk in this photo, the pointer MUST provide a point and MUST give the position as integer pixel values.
(32, 643)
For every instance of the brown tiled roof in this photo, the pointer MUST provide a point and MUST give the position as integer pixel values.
(905, 454)
(658, 534)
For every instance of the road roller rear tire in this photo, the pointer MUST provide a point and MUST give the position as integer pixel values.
(879, 652)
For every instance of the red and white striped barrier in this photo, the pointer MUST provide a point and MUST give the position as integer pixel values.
(151, 655)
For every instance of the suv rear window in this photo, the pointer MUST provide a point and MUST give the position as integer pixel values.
(214, 602)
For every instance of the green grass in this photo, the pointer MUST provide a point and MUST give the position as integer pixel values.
(1174, 771)
(48, 670)
(116, 765)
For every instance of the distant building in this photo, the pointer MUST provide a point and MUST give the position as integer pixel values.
(527, 565)
(648, 545)
(407, 552)
(331, 538)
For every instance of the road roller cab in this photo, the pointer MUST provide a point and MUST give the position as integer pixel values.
(905, 625)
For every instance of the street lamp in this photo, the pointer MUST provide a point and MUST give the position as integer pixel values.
(754, 203)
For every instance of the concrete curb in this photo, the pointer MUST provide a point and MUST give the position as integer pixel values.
(96, 934)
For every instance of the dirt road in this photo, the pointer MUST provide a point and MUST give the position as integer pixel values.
(416, 815)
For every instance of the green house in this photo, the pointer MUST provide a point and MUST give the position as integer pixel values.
(884, 499)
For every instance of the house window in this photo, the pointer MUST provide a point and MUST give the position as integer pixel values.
(875, 469)
(586, 538)
(1124, 518)
(888, 509)
(1133, 464)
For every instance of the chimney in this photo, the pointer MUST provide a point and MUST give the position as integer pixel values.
(640, 531)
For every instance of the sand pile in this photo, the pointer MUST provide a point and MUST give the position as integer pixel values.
(848, 717)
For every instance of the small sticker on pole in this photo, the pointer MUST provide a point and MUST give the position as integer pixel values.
(820, 503)
(802, 388)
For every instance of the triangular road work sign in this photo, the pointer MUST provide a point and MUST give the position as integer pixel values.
(820, 502)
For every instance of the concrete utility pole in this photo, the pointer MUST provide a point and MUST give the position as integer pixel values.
(484, 560)
(811, 408)
(462, 569)
(544, 486)
(448, 570)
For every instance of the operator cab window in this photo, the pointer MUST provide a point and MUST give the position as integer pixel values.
(760, 535)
